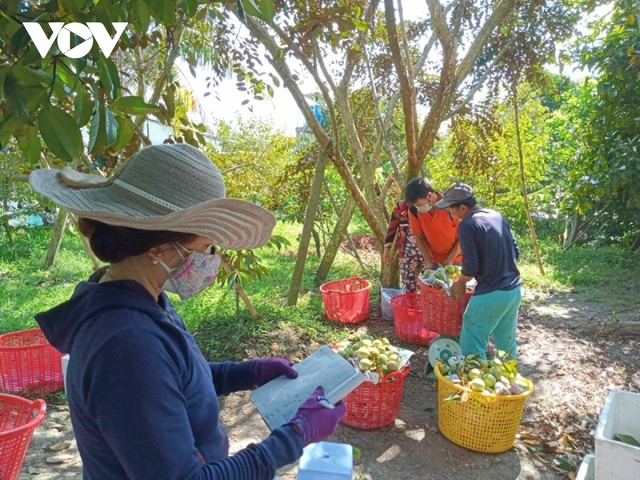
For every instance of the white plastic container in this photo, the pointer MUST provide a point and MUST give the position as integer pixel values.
(587, 469)
(326, 461)
(385, 302)
(65, 364)
(620, 415)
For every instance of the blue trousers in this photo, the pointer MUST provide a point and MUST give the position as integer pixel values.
(491, 313)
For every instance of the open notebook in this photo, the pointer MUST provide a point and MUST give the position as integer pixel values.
(279, 400)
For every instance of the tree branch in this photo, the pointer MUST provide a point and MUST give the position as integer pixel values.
(406, 91)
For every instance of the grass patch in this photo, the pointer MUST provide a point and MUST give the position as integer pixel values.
(26, 289)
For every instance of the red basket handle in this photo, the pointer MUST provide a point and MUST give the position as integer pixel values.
(39, 407)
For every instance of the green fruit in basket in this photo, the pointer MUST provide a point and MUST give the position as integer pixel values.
(450, 269)
(366, 342)
(385, 341)
(505, 381)
(365, 364)
(496, 362)
(383, 359)
(362, 352)
(377, 343)
(475, 373)
(444, 369)
(522, 383)
(477, 385)
(483, 362)
(393, 366)
(496, 372)
(489, 380)
(384, 369)
(373, 351)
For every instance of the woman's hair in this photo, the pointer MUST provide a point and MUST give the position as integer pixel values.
(113, 244)
(416, 189)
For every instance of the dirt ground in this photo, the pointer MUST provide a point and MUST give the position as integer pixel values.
(569, 346)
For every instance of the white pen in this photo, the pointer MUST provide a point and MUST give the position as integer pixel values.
(324, 402)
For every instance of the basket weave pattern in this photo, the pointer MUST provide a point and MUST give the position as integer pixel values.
(409, 324)
(18, 420)
(483, 424)
(347, 300)
(372, 406)
(442, 314)
(29, 364)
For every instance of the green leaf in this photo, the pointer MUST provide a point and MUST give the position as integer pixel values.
(628, 439)
(163, 10)
(30, 145)
(82, 107)
(97, 130)
(134, 106)
(105, 76)
(562, 464)
(114, 75)
(16, 102)
(111, 127)
(357, 454)
(60, 133)
(142, 17)
(125, 132)
(189, 6)
(429, 409)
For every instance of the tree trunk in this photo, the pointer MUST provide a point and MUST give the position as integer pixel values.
(532, 230)
(390, 273)
(316, 239)
(56, 239)
(339, 231)
(312, 208)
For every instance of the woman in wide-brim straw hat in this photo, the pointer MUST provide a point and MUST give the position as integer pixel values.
(143, 399)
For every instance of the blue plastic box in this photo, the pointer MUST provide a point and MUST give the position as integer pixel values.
(326, 461)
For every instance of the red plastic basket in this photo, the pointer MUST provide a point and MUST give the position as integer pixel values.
(442, 314)
(409, 324)
(28, 363)
(346, 301)
(19, 418)
(373, 406)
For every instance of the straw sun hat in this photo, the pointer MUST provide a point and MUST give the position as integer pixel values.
(162, 187)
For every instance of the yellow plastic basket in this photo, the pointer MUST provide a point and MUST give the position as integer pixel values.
(482, 423)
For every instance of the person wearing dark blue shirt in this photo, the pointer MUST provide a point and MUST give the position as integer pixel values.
(142, 398)
(489, 254)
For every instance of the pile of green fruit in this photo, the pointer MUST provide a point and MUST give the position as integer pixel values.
(497, 376)
(370, 353)
(443, 277)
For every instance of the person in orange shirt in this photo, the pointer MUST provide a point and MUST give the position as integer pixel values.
(436, 230)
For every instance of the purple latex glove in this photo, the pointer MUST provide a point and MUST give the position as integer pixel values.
(316, 422)
(266, 369)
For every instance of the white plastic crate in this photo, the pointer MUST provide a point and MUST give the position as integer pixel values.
(620, 415)
(587, 469)
(326, 461)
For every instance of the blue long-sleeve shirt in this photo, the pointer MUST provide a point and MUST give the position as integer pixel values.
(143, 400)
(489, 251)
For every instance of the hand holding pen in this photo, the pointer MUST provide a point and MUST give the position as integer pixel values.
(317, 418)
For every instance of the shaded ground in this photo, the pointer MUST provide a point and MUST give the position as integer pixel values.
(569, 345)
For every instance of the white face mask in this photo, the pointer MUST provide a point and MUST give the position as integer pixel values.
(193, 275)
(426, 207)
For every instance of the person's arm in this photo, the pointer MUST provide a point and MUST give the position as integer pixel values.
(230, 377)
(136, 398)
(455, 251)
(423, 246)
(470, 260)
